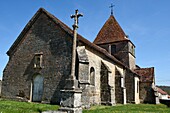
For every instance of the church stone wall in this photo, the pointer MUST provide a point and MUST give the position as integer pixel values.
(95, 60)
(55, 45)
(130, 87)
(119, 96)
(122, 52)
(131, 49)
(146, 93)
(132, 64)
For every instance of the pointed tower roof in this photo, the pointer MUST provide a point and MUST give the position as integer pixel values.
(110, 32)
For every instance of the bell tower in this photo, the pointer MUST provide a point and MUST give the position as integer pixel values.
(112, 38)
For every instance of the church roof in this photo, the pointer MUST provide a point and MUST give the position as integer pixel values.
(146, 74)
(65, 28)
(69, 31)
(110, 32)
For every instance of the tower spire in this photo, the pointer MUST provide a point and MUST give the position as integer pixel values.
(111, 7)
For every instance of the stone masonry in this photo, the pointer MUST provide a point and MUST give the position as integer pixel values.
(55, 45)
(39, 66)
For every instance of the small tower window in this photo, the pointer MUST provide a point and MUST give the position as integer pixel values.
(38, 60)
(113, 49)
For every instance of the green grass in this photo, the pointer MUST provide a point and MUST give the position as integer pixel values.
(129, 108)
(7, 106)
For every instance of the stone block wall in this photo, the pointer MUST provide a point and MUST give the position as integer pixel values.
(92, 91)
(118, 86)
(55, 45)
(118, 90)
(146, 93)
(130, 87)
(132, 58)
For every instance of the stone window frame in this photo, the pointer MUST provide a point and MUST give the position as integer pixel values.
(38, 60)
(92, 76)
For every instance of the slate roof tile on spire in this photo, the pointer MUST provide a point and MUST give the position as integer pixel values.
(110, 32)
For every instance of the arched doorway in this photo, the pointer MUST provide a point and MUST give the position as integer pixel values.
(37, 88)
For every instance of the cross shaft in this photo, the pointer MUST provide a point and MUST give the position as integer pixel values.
(75, 26)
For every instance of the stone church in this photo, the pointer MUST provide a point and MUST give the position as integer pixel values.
(106, 72)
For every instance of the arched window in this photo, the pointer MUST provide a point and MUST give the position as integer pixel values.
(92, 76)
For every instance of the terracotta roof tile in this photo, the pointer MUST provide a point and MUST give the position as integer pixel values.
(146, 74)
(110, 32)
(161, 91)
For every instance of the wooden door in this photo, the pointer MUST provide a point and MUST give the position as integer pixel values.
(37, 88)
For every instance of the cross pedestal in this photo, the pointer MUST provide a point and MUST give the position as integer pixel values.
(71, 101)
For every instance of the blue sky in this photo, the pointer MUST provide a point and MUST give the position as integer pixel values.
(145, 21)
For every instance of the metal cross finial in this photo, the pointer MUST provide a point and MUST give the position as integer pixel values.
(111, 8)
(76, 16)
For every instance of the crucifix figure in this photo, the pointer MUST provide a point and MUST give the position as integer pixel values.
(111, 7)
(75, 26)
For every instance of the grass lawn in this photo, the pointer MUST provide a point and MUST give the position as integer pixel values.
(129, 108)
(7, 106)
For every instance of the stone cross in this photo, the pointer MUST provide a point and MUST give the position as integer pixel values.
(76, 16)
(71, 94)
(75, 26)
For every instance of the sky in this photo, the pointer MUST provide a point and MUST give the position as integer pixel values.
(146, 22)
